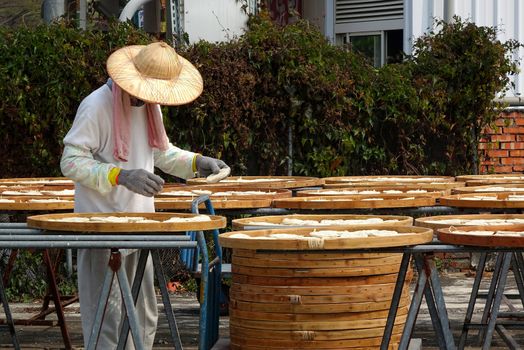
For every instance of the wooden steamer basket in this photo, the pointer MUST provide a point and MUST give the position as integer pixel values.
(262, 198)
(264, 181)
(433, 186)
(312, 293)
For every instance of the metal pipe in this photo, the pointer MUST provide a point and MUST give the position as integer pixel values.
(89, 238)
(130, 9)
(13, 244)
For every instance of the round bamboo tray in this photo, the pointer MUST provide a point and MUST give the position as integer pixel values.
(485, 200)
(491, 220)
(435, 186)
(511, 236)
(36, 191)
(225, 192)
(56, 222)
(36, 203)
(415, 191)
(493, 179)
(185, 203)
(389, 179)
(264, 181)
(489, 188)
(258, 239)
(276, 221)
(354, 202)
(30, 181)
(321, 299)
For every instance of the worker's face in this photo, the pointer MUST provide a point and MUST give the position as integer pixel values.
(135, 101)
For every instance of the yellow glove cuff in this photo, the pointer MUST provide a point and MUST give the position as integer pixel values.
(112, 176)
(194, 162)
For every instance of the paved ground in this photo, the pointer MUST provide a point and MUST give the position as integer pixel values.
(456, 288)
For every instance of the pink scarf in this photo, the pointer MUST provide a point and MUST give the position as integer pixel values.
(121, 128)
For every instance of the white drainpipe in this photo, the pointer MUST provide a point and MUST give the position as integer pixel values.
(131, 8)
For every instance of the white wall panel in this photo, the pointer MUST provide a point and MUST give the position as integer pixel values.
(213, 20)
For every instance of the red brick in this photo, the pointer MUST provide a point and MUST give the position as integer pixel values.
(504, 121)
(503, 138)
(516, 153)
(518, 168)
(512, 145)
(514, 161)
(488, 145)
(519, 120)
(490, 162)
(498, 153)
(492, 131)
(520, 138)
(513, 130)
(502, 169)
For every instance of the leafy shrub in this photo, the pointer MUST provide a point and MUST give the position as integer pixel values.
(46, 71)
(458, 71)
(345, 117)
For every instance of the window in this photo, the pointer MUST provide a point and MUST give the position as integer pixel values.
(380, 47)
(372, 27)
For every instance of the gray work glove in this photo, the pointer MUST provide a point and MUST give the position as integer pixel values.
(141, 181)
(207, 165)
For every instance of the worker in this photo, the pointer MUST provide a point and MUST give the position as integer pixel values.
(116, 140)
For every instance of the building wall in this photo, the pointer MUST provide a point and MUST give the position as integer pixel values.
(213, 20)
(502, 149)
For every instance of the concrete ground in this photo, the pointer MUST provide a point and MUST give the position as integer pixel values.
(456, 287)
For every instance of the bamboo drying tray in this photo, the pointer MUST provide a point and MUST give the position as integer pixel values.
(46, 222)
(214, 192)
(436, 186)
(264, 181)
(406, 236)
(379, 190)
(185, 203)
(275, 221)
(37, 191)
(469, 238)
(501, 201)
(389, 179)
(493, 179)
(28, 203)
(354, 202)
(489, 188)
(29, 181)
(433, 221)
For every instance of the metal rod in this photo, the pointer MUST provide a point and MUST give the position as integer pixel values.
(399, 285)
(95, 244)
(92, 238)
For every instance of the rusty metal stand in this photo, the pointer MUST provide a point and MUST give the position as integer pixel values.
(53, 294)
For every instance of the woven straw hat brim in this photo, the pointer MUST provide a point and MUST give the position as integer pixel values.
(184, 89)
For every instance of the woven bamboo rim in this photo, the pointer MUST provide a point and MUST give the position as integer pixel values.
(458, 200)
(45, 222)
(251, 223)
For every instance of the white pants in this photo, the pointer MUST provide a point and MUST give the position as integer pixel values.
(92, 267)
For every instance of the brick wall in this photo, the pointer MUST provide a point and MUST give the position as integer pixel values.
(502, 149)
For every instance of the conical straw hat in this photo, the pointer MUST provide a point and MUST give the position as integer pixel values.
(155, 73)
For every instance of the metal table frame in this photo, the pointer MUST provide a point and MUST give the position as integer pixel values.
(15, 236)
(428, 286)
